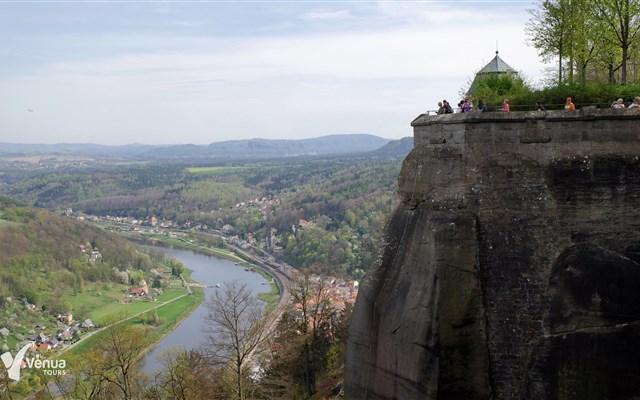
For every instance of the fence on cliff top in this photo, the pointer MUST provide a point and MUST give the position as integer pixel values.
(529, 107)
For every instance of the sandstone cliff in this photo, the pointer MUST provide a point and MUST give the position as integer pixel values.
(511, 269)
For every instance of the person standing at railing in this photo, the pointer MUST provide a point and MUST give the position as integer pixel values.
(569, 105)
(467, 105)
(447, 107)
(505, 106)
(481, 106)
(618, 103)
(636, 102)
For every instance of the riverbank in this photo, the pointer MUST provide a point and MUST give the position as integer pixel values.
(170, 314)
(271, 298)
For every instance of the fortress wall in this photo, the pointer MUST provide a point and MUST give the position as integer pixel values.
(519, 241)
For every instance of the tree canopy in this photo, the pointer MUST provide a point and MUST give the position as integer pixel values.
(592, 40)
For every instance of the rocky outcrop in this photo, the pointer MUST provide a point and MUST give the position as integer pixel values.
(511, 268)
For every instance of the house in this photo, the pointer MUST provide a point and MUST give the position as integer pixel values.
(87, 324)
(141, 290)
(65, 335)
(95, 255)
(44, 346)
(65, 318)
(41, 337)
(40, 327)
(137, 292)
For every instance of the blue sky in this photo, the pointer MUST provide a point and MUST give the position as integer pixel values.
(120, 72)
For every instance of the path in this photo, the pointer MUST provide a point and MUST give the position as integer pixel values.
(164, 303)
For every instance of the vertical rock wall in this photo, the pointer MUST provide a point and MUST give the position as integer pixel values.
(511, 267)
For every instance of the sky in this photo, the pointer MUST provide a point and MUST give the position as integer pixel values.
(117, 72)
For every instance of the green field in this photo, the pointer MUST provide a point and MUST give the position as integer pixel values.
(110, 310)
(100, 303)
(169, 315)
(216, 170)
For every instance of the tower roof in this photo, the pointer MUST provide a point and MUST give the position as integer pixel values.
(497, 65)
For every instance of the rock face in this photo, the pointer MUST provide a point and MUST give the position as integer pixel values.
(511, 269)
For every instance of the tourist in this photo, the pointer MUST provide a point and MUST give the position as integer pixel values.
(540, 106)
(447, 107)
(505, 106)
(635, 103)
(481, 106)
(618, 103)
(467, 105)
(569, 105)
(440, 108)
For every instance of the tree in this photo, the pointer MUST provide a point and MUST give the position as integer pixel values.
(495, 87)
(235, 329)
(116, 355)
(619, 23)
(186, 375)
(303, 338)
(602, 34)
(547, 31)
(177, 268)
(311, 292)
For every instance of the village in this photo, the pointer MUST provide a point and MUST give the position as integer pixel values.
(54, 333)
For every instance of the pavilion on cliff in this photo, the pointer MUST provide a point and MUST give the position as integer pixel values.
(495, 67)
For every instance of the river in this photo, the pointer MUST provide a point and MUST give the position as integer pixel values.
(207, 270)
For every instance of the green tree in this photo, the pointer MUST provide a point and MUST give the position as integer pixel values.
(619, 23)
(494, 88)
(547, 31)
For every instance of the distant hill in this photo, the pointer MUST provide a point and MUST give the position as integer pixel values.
(75, 149)
(248, 149)
(251, 149)
(395, 148)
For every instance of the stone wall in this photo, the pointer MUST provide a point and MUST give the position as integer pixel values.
(511, 267)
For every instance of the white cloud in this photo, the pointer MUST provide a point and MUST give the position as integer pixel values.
(327, 15)
(182, 89)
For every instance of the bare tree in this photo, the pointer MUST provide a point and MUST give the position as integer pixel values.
(235, 332)
(121, 347)
(186, 376)
(110, 369)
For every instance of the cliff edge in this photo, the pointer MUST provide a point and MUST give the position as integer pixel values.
(511, 268)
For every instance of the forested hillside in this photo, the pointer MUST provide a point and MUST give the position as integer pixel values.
(42, 255)
(307, 210)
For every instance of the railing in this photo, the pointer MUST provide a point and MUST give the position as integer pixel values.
(530, 107)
